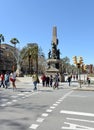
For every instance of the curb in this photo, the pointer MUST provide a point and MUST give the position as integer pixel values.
(84, 89)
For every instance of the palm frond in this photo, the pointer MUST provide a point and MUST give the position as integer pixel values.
(14, 41)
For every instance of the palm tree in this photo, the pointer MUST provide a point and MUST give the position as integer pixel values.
(27, 55)
(1, 40)
(35, 56)
(14, 41)
(31, 53)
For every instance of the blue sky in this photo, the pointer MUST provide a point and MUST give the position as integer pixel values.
(31, 21)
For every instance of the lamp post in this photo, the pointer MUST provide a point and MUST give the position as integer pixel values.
(78, 61)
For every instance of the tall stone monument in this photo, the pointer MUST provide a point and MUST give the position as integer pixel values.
(53, 61)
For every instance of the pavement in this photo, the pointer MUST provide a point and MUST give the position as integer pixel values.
(65, 85)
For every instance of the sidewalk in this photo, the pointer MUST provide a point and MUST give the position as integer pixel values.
(85, 88)
(74, 85)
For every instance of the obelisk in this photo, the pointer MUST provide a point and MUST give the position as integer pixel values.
(54, 36)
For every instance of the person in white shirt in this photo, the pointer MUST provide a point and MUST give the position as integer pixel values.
(13, 79)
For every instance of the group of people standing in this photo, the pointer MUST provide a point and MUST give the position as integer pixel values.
(5, 79)
(50, 81)
(47, 81)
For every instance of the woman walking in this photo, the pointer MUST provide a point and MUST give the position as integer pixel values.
(13, 79)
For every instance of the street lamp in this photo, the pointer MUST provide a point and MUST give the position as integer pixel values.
(78, 61)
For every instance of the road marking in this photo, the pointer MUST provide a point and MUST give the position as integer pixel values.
(77, 113)
(9, 103)
(14, 96)
(14, 100)
(34, 126)
(60, 100)
(78, 96)
(74, 119)
(76, 127)
(45, 114)
(3, 105)
(67, 94)
(40, 119)
(48, 110)
(20, 94)
(55, 104)
(52, 107)
(26, 92)
(4, 100)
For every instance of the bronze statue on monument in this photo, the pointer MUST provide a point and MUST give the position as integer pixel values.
(54, 62)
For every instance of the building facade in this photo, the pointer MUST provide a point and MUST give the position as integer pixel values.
(7, 58)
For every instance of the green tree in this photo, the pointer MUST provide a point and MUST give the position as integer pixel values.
(1, 38)
(65, 64)
(14, 41)
(67, 67)
(31, 53)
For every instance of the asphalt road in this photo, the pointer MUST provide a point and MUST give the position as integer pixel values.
(46, 109)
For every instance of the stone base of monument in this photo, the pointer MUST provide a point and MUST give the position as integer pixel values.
(52, 70)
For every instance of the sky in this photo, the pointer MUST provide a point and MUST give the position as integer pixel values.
(32, 21)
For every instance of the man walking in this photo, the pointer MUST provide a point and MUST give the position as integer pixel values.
(34, 79)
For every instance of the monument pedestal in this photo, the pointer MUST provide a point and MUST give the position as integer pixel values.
(54, 66)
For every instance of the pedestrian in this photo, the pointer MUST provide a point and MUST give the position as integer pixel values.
(56, 81)
(51, 80)
(13, 79)
(7, 79)
(35, 80)
(43, 78)
(69, 80)
(2, 80)
(73, 77)
(88, 80)
(47, 81)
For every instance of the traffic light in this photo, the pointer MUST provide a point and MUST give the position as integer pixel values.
(78, 65)
(75, 60)
(85, 67)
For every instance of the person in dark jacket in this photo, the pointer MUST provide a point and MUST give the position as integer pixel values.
(69, 80)
(2, 78)
(47, 81)
(43, 78)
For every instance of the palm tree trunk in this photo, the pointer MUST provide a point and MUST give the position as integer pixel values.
(37, 64)
(29, 63)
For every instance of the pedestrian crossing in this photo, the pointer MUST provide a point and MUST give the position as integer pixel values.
(9, 99)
